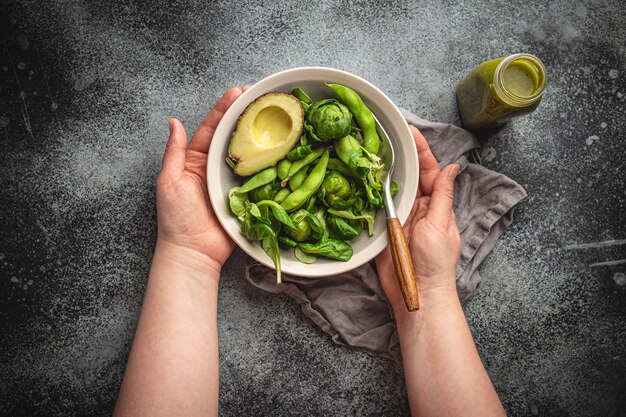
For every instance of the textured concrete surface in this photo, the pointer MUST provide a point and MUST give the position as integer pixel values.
(85, 93)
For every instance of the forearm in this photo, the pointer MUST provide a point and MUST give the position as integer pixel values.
(444, 374)
(173, 366)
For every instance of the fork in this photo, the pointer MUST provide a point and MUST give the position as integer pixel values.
(400, 254)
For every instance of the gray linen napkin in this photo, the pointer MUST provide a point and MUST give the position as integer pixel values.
(352, 307)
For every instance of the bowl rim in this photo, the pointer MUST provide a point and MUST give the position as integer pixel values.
(259, 88)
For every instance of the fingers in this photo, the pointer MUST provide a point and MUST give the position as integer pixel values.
(246, 87)
(429, 168)
(175, 151)
(440, 208)
(420, 210)
(202, 138)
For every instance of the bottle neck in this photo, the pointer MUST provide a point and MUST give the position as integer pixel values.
(519, 80)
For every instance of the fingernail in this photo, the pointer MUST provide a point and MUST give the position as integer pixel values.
(453, 171)
(171, 125)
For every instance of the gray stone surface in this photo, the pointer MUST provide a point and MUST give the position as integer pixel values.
(85, 93)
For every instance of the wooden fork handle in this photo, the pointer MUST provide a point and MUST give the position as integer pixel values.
(403, 264)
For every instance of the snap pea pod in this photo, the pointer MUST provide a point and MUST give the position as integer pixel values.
(349, 151)
(281, 195)
(309, 186)
(297, 180)
(362, 114)
(301, 95)
(310, 205)
(282, 169)
(297, 165)
(287, 241)
(335, 164)
(264, 177)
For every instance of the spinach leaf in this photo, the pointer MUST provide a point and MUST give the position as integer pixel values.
(368, 216)
(330, 248)
(270, 246)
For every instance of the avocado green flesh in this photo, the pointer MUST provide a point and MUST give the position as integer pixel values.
(266, 131)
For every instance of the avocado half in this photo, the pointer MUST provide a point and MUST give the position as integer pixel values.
(266, 131)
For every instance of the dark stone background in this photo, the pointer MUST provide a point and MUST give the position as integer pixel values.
(86, 89)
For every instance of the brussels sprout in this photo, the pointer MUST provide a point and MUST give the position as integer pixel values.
(343, 228)
(328, 119)
(303, 227)
(299, 152)
(264, 192)
(337, 191)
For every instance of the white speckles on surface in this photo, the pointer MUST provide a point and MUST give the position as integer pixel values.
(603, 125)
(620, 279)
(591, 139)
(21, 65)
(22, 41)
(83, 82)
(613, 74)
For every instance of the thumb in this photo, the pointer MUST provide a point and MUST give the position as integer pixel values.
(175, 151)
(440, 207)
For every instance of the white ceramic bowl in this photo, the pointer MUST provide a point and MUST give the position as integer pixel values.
(311, 79)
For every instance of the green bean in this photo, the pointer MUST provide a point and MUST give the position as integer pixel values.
(264, 177)
(282, 169)
(297, 180)
(281, 195)
(362, 114)
(312, 182)
(297, 165)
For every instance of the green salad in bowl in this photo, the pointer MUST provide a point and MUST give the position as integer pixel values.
(301, 190)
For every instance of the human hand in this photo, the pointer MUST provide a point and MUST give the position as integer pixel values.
(431, 231)
(186, 220)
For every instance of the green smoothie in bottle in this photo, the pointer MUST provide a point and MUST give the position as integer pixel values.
(500, 89)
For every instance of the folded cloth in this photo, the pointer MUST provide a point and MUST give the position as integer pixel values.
(352, 307)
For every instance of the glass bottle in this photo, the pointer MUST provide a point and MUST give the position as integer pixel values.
(500, 89)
